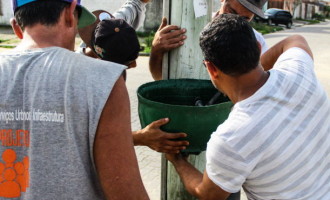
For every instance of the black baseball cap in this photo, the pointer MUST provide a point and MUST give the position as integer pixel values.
(116, 41)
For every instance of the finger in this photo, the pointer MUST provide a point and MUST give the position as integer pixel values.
(172, 136)
(170, 152)
(173, 46)
(177, 34)
(176, 144)
(172, 148)
(169, 149)
(158, 123)
(176, 40)
(170, 28)
(163, 24)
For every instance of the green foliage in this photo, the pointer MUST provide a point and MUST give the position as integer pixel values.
(318, 17)
(264, 28)
(146, 39)
(142, 34)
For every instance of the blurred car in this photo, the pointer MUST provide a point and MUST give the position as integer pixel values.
(277, 16)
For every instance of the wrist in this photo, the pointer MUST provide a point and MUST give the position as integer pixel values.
(156, 52)
(178, 161)
(138, 138)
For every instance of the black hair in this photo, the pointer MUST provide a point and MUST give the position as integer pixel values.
(230, 44)
(45, 12)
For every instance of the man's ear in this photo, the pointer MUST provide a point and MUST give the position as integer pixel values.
(16, 28)
(70, 14)
(212, 70)
(259, 46)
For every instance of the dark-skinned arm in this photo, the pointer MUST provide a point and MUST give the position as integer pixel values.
(167, 37)
(114, 154)
(196, 183)
(158, 140)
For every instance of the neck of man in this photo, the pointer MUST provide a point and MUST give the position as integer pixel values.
(41, 36)
(241, 87)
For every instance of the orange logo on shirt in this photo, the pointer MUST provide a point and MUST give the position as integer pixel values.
(14, 176)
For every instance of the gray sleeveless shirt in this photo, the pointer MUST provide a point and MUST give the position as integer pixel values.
(51, 100)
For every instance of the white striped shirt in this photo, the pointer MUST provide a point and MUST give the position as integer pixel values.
(276, 143)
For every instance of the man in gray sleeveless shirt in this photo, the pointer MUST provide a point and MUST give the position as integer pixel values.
(65, 124)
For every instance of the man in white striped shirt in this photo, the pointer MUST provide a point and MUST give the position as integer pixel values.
(276, 142)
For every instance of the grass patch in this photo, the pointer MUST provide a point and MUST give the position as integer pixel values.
(264, 28)
(10, 41)
(3, 40)
(310, 21)
(146, 39)
(7, 46)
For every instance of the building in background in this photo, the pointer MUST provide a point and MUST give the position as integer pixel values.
(304, 9)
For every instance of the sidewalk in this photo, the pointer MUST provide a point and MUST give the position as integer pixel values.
(298, 23)
(149, 160)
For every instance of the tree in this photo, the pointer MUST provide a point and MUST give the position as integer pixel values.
(292, 5)
(327, 11)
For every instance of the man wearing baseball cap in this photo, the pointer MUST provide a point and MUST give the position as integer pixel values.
(132, 11)
(65, 124)
(114, 40)
(169, 37)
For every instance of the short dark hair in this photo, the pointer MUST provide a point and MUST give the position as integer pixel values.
(45, 12)
(230, 44)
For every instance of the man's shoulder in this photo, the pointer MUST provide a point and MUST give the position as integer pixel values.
(295, 54)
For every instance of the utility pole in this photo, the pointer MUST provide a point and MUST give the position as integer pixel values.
(185, 62)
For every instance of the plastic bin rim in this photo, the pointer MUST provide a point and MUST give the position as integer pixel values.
(179, 106)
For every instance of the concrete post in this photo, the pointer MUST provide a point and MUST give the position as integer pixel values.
(184, 62)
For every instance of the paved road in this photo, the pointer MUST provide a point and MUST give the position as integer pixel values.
(317, 35)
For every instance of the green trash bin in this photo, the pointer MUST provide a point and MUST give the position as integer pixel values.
(176, 100)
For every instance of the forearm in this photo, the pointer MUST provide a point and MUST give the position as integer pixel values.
(190, 176)
(269, 58)
(133, 12)
(156, 65)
